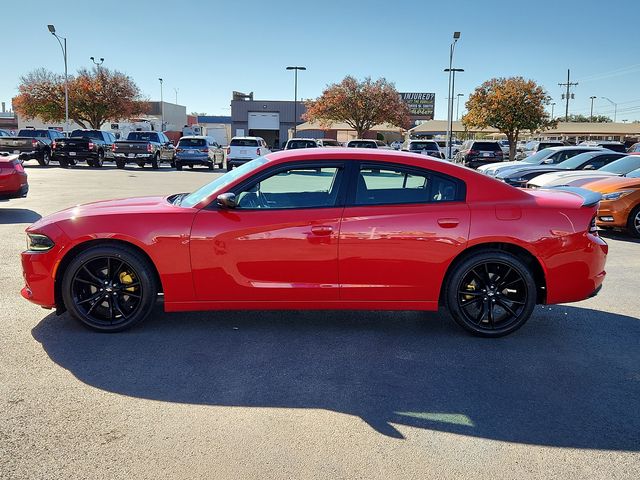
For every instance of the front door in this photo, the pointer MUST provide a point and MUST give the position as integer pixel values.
(399, 232)
(279, 244)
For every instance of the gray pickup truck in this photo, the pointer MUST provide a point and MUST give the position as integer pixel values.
(31, 144)
(144, 148)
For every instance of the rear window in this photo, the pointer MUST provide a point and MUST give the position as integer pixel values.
(616, 147)
(362, 144)
(143, 136)
(543, 145)
(486, 146)
(330, 143)
(94, 134)
(192, 142)
(419, 146)
(301, 144)
(33, 133)
(244, 142)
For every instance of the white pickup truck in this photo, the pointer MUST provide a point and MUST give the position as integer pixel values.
(243, 149)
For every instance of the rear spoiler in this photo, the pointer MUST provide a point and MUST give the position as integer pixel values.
(589, 198)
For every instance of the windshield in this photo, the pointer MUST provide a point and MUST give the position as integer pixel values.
(192, 142)
(575, 162)
(423, 146)
(634, 174)
(537, 157)
(243, 142)
(32, 133)
(143, 136)
(221, 182)
(89, 134)
(624, 165)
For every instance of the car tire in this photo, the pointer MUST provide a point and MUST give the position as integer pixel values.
(64, 163)
(100, 160)
(155, 161)
(120, 164)
(95, 288)
(172, 164)
(633, 222)
(178, 166)
(211, 165)
(46, 159)
(490, 293)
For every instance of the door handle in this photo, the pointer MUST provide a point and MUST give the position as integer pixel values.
(322, 230)
(448, 222)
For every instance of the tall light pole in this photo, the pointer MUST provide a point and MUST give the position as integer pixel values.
(615, 107)
(452, 47)
(52, 29)
(295, 98)
(458, 105)
(176, 90)
(161, 108)
(552, 107)
(452, 72)
(591, 114)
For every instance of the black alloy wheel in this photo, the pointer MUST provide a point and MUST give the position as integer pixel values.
(633, 222)
(491, 294)
(109, 288)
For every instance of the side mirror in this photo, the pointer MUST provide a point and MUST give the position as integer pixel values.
(548, 161)
(227, 200)
(589, 167)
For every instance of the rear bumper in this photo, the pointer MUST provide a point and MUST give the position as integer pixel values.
(13, 185)
(238, 161)
(79, 156)
(194, 159)
(134, 158)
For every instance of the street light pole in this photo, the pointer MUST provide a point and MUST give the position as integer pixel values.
(458, 105)
(295, 98)
(97, 64)
(552, 107)
(591, 114)
(615, 107)
(452, 47)
(52, 29)
(452, 72)
(161, 108)
(176, 90)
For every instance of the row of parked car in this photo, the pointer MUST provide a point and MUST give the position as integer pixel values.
(614, 175)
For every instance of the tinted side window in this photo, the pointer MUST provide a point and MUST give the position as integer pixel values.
(395, 185)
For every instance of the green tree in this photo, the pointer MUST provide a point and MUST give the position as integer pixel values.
(361, 105)
(511, 105)
(587, 118)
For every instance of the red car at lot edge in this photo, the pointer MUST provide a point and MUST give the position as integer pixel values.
(323, 229)
(13, 178)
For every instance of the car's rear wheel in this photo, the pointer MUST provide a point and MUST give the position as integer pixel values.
(633, 222)
(64, 163)
(210, 165)
(120, 164)
(491, 293)
(46, 158)
(178, 166)
(100, 160)
(155, 161)
(109, 288)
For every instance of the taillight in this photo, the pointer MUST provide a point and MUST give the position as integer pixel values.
(149, 147)
(204, 150)
(473, 152)
(258, 151)
(113, 147)
(91, 145)
(499, 154)
(19, 168)
(228, 150)
(34, 143)
(54, 145)
(593, 229)
(178, 150)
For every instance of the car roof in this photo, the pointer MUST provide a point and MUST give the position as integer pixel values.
(196, 136)
(305, 139)
(577, 147)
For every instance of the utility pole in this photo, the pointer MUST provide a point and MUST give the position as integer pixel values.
(591, 114)
(567, 95)
(452, 47)
(161, 108)
(552, 107)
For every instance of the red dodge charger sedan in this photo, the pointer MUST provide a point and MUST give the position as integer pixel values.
(323, 229)
(13, 178)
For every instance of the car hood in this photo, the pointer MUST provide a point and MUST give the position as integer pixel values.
(564, 177)
(516, 171)
(494, 168)
(608, 185)
(107, 207)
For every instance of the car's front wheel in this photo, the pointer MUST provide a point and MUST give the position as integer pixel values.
(633, 222)
(491, 293)
(109, 288)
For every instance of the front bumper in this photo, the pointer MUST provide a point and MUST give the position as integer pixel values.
(613, 214)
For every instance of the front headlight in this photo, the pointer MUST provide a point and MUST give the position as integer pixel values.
(37, 242)
(616, 195)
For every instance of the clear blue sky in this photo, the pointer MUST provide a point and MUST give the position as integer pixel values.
(208, 49)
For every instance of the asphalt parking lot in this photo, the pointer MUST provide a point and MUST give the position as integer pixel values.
(310, 394)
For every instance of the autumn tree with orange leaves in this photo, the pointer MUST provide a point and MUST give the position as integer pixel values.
(361, 105)
(511, 105)
(95, 97)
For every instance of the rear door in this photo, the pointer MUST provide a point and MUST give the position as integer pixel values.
(400, 229)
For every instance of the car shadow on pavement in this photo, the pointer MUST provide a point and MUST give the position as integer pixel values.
(18, 215)
(569, 378)
(617, 235)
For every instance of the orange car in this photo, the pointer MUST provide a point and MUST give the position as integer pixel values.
(620, 205)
